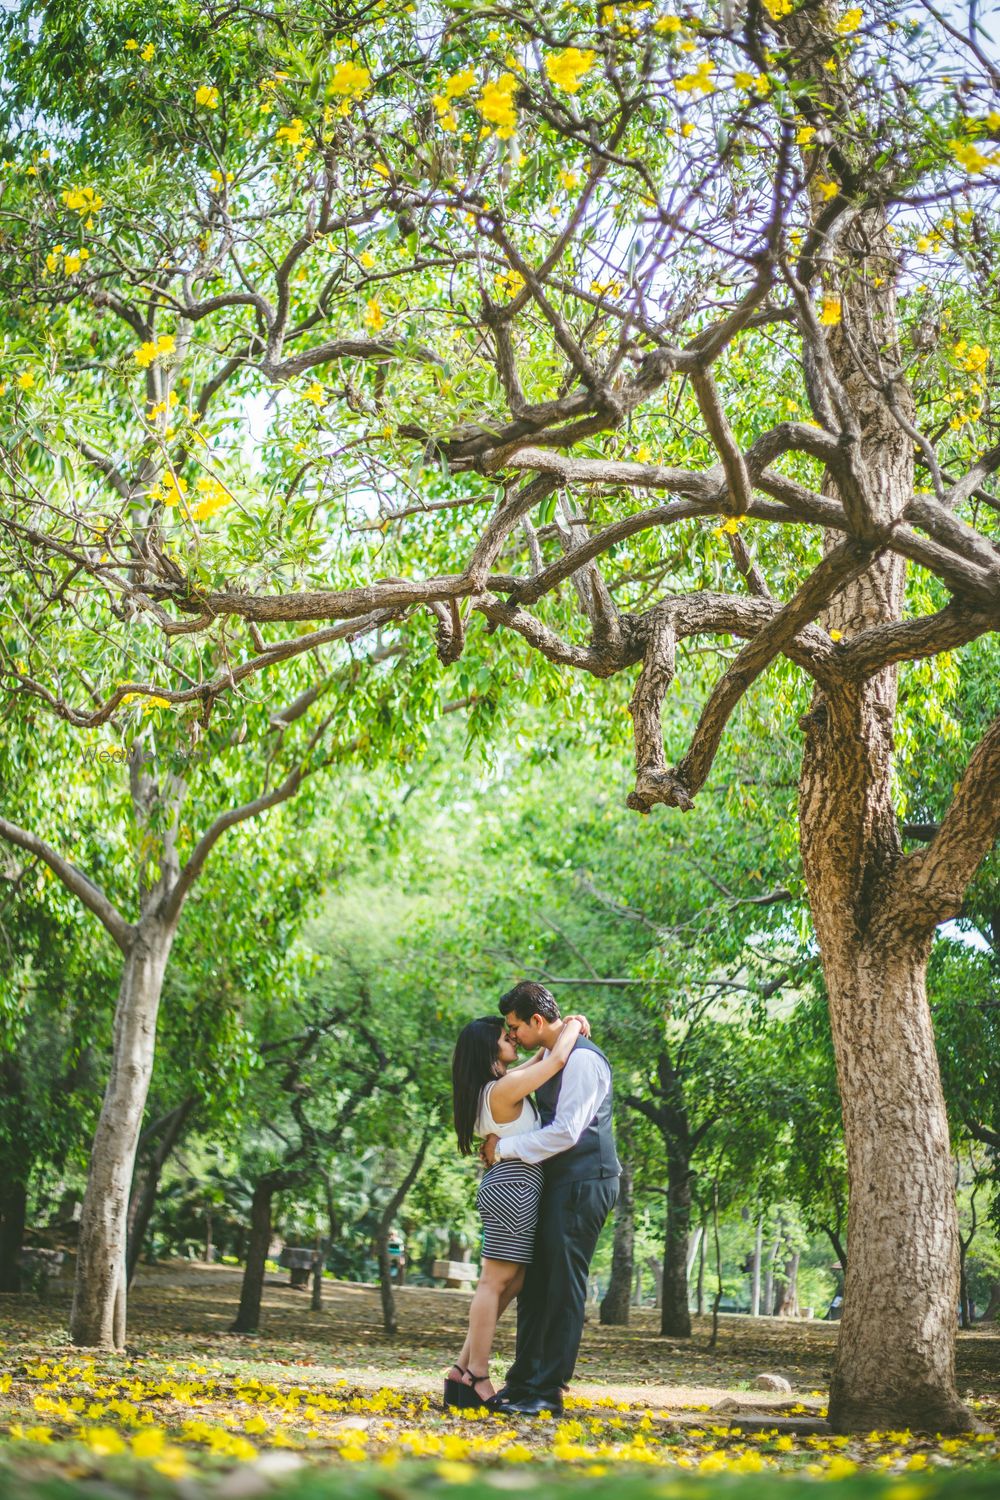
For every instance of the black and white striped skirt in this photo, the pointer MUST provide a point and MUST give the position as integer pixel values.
(508, 1200)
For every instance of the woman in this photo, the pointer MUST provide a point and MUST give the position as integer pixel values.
(491, 1096)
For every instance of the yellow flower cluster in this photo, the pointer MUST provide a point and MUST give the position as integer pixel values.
(293, 134)
(778, 8)
(829, 313)
(508, 283)
(85, 202)
(207, 95)
(567, 69)
(971, 357)
(455, 87)
(849, 21)
(151, 350)
(214, 496)
(496, 105)
(971, 158)
(698, 82)
(753, 83)
(147, 53)
(374, 318)
(350, 81)
(72, 260)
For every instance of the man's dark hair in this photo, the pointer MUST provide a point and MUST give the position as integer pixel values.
(528, 999)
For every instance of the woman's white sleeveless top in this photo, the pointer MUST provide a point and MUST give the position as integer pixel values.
(486, 1125)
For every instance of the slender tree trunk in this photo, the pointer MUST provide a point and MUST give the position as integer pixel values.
(964, 1303)
(772, 1261)
(13, 1219)
(389, 1322)
(675, 1315)
(382, 1233)
(700, 1291)
(97, 1319)
(758, 1250)
(316, 1300)
(786, 1302)
(208, 1237)
(143, 1199)
(656, 1271)
(615, 1305)
(248, 1316)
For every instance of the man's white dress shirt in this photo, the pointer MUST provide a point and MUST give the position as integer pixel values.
(586, 1079)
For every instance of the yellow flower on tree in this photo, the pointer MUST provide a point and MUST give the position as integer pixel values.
(698, 82)
(83, 200)
(207, 95)
(459, 84)
(292, 134)
(315, 393)
(778, 8)
(567, 69)
(569, 180)
(850, 21)
(829, 313)
(150, 350)
(971, 158)
(350, 81)
(804, 135)
(26, 380)
(148, 52)
(668, 25)
(131, 45)
(374, 316)
(826, 188)
(496, 105)
(367, 259)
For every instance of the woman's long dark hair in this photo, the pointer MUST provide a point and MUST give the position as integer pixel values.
(476, 1061)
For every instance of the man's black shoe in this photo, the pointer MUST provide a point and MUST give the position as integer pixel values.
(504, 1396)
(532, 1406)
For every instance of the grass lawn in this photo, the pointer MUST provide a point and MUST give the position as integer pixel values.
(323, 1403)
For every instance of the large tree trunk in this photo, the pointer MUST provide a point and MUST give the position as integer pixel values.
(97, 1319)
(248, 1316)
(143, 1199)
(675, 1316)
(992, 1313)
(615, 1304)
(895, 1363)
(13, 1218)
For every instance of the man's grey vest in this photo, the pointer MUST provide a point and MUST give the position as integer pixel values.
(594, 1154)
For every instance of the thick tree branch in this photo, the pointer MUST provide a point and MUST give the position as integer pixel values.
(931, 882)
(75, 881)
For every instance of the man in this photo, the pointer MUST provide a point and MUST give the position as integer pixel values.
(575, 1145)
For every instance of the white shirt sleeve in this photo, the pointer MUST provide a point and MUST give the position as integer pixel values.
(586, 1080)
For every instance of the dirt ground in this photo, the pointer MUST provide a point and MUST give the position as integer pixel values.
(188, 1308)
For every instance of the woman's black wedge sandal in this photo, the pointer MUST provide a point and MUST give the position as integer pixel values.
(456, 1392)
(474, 1380)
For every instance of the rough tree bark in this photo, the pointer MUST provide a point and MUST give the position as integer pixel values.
(615, 1303)
(895, 1364)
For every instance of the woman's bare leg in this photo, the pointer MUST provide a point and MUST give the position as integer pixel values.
(499, 1282)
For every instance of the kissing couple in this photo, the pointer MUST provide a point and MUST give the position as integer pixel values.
(551, 1179)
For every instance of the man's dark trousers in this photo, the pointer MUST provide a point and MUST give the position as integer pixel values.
(551, 1305)
(581, 1189)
